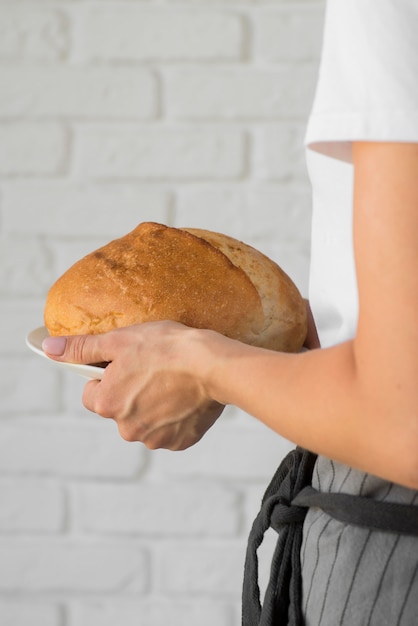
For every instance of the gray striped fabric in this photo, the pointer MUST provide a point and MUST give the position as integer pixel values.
(353, 576)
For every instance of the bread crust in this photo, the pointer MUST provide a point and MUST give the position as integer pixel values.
(284, 311)
(199, 278)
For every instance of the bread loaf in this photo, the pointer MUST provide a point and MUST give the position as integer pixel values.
(200, 278)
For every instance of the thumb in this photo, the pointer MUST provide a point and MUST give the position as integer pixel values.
(74, 349)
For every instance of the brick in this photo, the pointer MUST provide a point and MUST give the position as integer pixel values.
(279, 212)
(17, 318)
(87, 447)
(289, 33)
(32, 148)
(39, 34)
(26, 267)
(70, 566)
(199, 508)
(70, 209)
(256, 453)
(84, 92)
(255, 213)
(159, 154)
(279, 152)
(39, 393)
(204, 569)
(22, 612)
(239, 93)
(138, 34)
(214, 206)
(159, 613)
(29, 505)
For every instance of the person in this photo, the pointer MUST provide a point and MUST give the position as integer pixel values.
(353, 402)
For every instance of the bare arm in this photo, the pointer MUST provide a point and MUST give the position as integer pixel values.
(356, 402)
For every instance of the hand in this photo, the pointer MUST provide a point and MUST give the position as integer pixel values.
(150, 386)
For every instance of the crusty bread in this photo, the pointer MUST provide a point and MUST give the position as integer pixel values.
(200, 278)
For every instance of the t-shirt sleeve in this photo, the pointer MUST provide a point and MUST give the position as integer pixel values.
(368, 77)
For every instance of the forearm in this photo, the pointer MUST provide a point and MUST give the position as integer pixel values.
(356, 402)
(320, 400)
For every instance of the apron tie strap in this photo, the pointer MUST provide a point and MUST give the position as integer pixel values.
(284, 507)
(282, 601)
(393, 517)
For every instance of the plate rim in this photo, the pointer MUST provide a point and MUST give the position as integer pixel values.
(87, 371)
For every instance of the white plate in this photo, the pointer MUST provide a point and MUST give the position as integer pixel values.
(34, 342)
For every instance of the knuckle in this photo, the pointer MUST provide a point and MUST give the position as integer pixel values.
(127, 433)
(152, 444)
(77, 348)
(97, 402)
(101, 408)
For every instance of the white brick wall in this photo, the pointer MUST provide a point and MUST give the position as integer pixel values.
(190, 113)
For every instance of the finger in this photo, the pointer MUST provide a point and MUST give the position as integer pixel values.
(89, 398)
(77, 349)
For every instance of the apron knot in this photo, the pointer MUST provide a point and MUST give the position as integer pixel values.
(284, 507)
(282, 599)
(278, 511)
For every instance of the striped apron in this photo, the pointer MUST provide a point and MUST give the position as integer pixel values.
(347, 549)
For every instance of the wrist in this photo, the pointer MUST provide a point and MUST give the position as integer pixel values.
(213, 359)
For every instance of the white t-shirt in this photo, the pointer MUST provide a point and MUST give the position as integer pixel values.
(367, 90)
